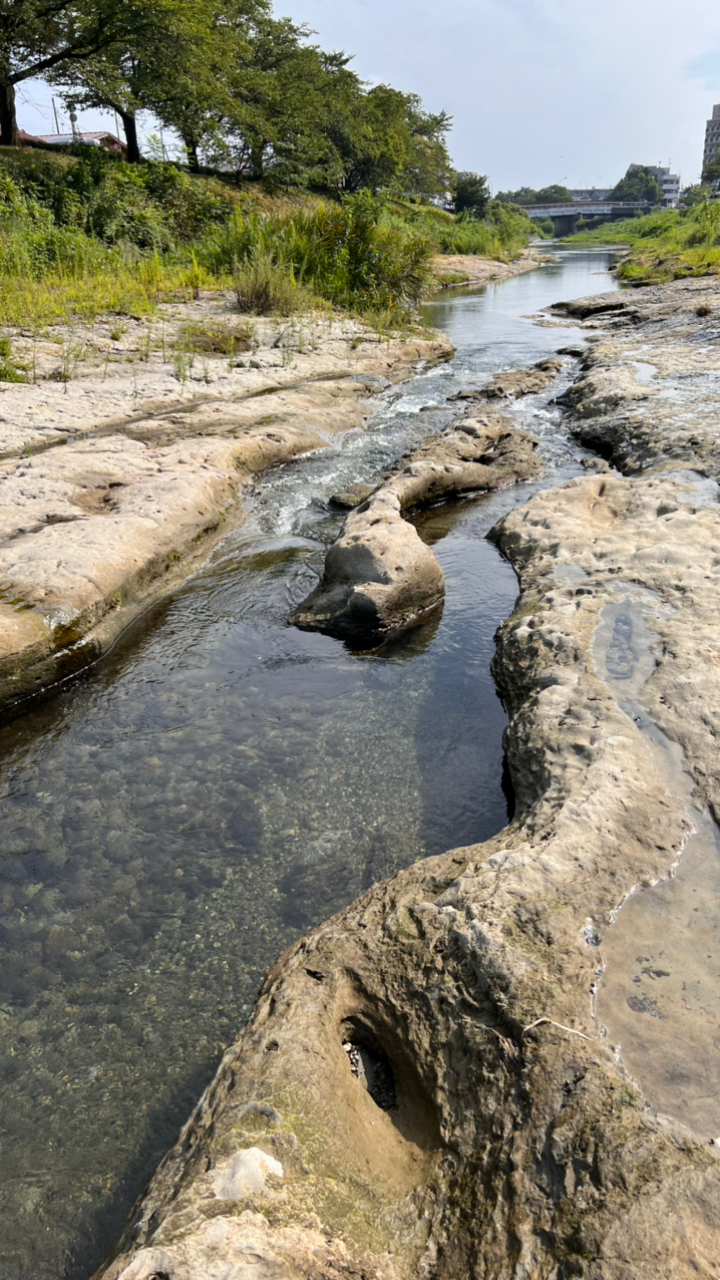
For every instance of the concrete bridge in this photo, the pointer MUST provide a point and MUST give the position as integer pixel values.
(566, 215)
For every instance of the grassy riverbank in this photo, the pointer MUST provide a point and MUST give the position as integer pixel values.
(86, 234)
(667, 245)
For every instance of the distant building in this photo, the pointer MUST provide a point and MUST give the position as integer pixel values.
(670, 183)
(712, 138)
(591, 193)
(103, 139)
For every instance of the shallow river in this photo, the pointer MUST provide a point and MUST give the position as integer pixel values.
(221, 782)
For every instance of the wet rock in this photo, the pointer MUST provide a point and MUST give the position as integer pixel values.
(379, 575)
(353, 496)
(150, 471)
(670, 418)
(460, 991)
(516, 382)
(508, 1137)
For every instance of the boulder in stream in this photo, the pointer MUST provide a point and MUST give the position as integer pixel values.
(379, 575)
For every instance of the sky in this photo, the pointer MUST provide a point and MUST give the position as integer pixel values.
(540, 91)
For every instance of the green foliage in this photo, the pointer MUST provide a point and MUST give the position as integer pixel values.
(264, 288)
(9, 371)
(155, 206)
(354, 254)
(471, 193)
(695, 195)
(711, 172)
(638, 184)
(667, 244)
(502, 234)
(528, 195)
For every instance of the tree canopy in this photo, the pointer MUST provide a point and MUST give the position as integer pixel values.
(247, 92)
(639, 183)
(471, 193)
(528, 195)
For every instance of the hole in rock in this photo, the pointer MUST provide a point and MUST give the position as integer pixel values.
(371, 1066)
(603, 448)
(381, 1064)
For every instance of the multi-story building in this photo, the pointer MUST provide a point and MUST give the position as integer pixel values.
(712, 138)
(670, 183)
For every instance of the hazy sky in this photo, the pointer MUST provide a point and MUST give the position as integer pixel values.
(540, 90)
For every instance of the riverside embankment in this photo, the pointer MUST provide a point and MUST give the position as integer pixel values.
(502, 1061)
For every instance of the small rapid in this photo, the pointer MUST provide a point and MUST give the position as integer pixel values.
(221, 782)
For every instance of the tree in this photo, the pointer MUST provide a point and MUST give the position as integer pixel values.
(548, 195)
(527, 195)
(524, 195)
(695, 195)
(711, 172)
(638, 184)
(37, 36)
(471, 193)
(174, 60)
(393, 143)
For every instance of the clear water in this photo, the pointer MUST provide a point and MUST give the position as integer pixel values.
(221, 782)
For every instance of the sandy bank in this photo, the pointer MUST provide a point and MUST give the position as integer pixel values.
(478, 271)
(122, 460)
(426, 1086)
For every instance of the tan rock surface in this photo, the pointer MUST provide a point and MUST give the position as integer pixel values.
(478, 270)
(495, 1129)
(379, 575)
(513, 383)
(156, 443)
(518, 1146)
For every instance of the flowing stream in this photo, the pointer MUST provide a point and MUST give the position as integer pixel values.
(221, 782)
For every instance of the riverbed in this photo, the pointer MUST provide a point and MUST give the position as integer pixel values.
(221, 782)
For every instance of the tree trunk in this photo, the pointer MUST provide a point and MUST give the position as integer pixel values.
(9, 132)
(131, 138)
(257, 162)
(191, 148)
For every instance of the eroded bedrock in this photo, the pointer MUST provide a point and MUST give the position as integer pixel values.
(379, 575)
(427, 1068)
(513, 383)
(157, 441)
(476, 1069)
(650, 394)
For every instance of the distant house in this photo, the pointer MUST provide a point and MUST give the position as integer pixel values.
(100, 138)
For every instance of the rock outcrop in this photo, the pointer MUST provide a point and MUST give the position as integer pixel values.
(379, 575)
(650, 394)
(430, 1069)
(151, 463)
(513, 383)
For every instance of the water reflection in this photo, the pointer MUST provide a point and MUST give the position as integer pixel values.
(220, 782)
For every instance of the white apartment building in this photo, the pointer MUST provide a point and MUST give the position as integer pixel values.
(670, 182)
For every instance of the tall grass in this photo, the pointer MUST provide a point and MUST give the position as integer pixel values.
(355, 254)
(86, 236)
(502, 234)
(665, 245)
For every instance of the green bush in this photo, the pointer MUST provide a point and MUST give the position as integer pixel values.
(151, 206)
(354, 254)
(9, 371)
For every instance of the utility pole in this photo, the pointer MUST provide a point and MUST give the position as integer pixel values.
(57, 123)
